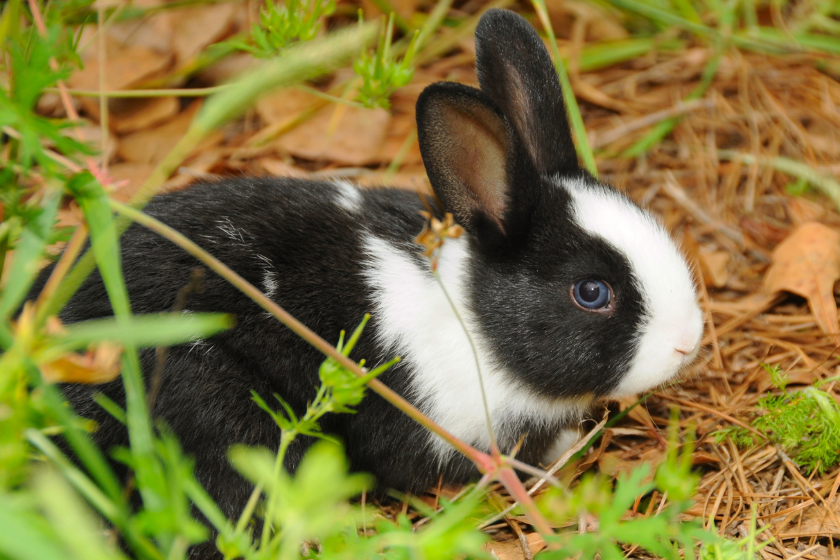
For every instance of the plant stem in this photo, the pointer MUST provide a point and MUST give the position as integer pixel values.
(494, 447)
(823, 182)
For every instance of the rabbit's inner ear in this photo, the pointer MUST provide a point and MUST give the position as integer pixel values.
(465, 145)
(477, 158)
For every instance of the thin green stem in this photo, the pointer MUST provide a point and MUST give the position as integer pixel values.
(435, 19)
(494, 447)
(823, 182)
(145, 93)
(395, 164)
(572, 108)
(386, 8)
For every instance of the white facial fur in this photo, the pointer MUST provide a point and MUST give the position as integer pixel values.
(417, 323)
(671, 335)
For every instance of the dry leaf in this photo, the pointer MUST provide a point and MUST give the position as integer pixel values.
(151, 145)
(714, 265)
(197, 168)
(279, 168)
(99, 365)
(124, 67)
(283, 104)
(411, 178)
(130, 115)
(818, 520)
(401, 128)
(128, 177)
(512, 550)
(342, 134)
(151, 31)
(193, 29)
(614, 463)
(807, 263)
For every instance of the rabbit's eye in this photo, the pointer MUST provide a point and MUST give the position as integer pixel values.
(591, 294)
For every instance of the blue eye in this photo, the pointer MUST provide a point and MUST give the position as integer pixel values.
(591, 294)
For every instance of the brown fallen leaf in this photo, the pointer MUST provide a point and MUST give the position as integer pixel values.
(283, 104)
(151, 145)
(130, 115)
(512, 549)
(152, 31)
(807, 263)
(194, 28)
(124, 66)
(97, 365)
(614, 463)
(338, 133)
(128, 177)
(100, 363)
(714, 265)
(819, 520)
(279, 168)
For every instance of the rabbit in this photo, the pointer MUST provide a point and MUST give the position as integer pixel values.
(572, 293)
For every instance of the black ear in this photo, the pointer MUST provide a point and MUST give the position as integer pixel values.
(515, 71)
(466, 145)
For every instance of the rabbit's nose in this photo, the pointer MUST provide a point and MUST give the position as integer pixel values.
(687, 347)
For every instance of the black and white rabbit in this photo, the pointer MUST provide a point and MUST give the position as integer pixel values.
(571, 291)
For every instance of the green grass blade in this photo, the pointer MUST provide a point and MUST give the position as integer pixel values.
(25, 534)
(89, 455)
(93, 202)
(602, 55)
(27, 257)
(821, 181)
(163, 329)
(70, 520)
(823, 43)
(110, 510)
(578, 129)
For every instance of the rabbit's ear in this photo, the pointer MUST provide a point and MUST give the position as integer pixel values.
(515, 71)
(466, 146)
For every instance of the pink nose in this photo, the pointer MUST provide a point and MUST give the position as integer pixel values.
(686, 348)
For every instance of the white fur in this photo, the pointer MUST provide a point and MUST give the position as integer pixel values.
(670, 338)
(349, 196)
(269, 281)
(563, 443)
(417, 323)
(226, 226)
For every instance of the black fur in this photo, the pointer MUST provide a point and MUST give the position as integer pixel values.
(526, 254)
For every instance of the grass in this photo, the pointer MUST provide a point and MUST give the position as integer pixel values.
(764, 71)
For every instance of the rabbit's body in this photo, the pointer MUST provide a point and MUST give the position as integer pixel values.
(317, 251)
(570, 291)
